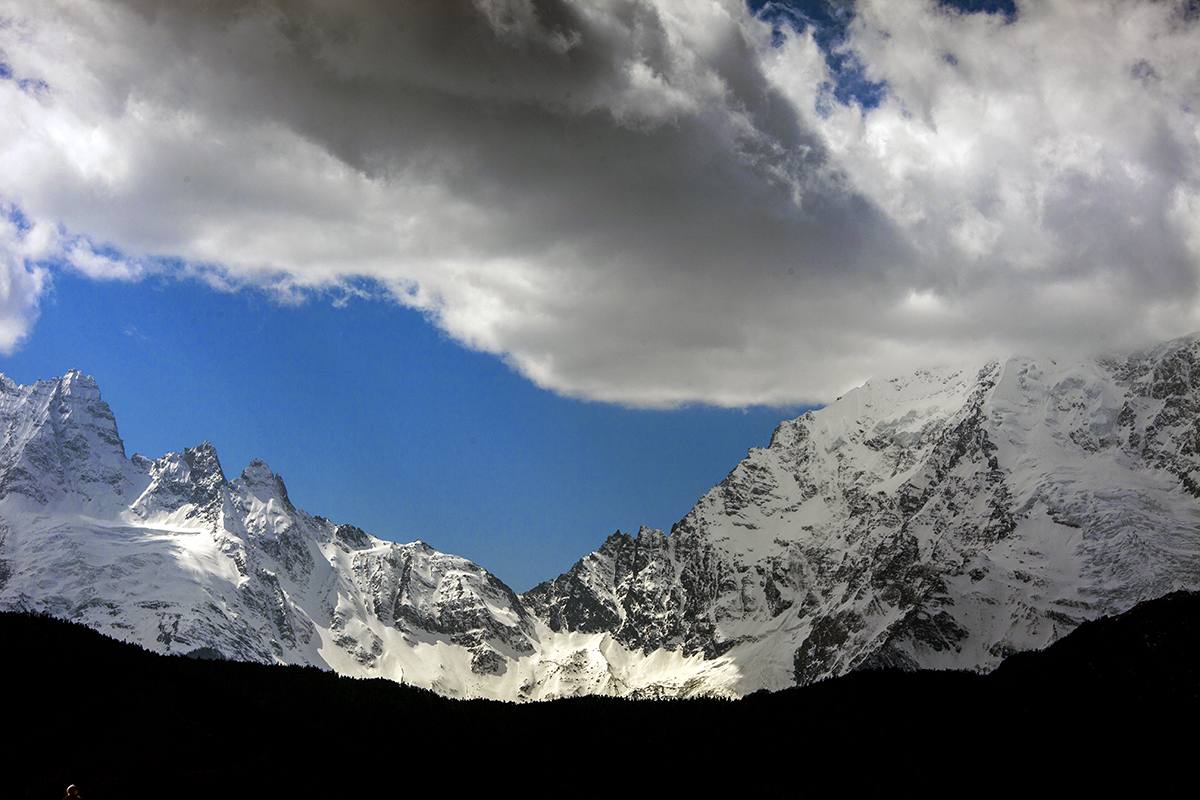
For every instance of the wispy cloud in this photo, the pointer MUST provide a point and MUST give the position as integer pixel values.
(642, 201)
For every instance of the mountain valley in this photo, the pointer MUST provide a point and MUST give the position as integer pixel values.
(946, 520)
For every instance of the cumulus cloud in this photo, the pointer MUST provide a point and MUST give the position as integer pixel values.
(642, 201)
(21, 280)
(1045, 169)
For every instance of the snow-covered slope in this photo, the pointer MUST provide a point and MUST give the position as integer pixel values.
(171, 554)
(944, 519)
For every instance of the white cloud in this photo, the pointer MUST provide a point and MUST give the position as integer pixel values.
(641, 201)
(83, 257)
(21, 283)
(1042, 158)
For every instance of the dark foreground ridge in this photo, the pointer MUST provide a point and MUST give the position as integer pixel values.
(1103, 704)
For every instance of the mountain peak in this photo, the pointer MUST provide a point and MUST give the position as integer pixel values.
(76, 383)
(205, 473)
(258, 476)
(258, 473)
(60, 438)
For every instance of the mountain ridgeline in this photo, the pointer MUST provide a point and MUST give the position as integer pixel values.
(947, 519)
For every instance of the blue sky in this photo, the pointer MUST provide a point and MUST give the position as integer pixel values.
(509, 275)
(375, 418)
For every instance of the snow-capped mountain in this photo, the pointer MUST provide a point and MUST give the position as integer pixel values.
(945, 519)
(942, 520)
(171, 554)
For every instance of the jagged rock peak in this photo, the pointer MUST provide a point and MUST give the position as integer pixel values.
(353, 537)
(258, 473)
(258, 476)
(75, 379)
(203, 462)
(59, 438)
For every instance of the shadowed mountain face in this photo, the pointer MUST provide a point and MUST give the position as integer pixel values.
(946, 519)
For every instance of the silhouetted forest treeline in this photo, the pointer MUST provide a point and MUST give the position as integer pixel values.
(1114, 701)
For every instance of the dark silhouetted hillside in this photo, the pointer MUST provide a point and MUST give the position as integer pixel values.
(1102, 705)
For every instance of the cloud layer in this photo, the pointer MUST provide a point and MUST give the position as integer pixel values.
(642, 201)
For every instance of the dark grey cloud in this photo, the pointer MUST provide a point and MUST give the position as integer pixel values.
(641, 201)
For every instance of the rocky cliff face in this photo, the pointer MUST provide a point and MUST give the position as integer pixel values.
(945, 519)
(60, 442)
